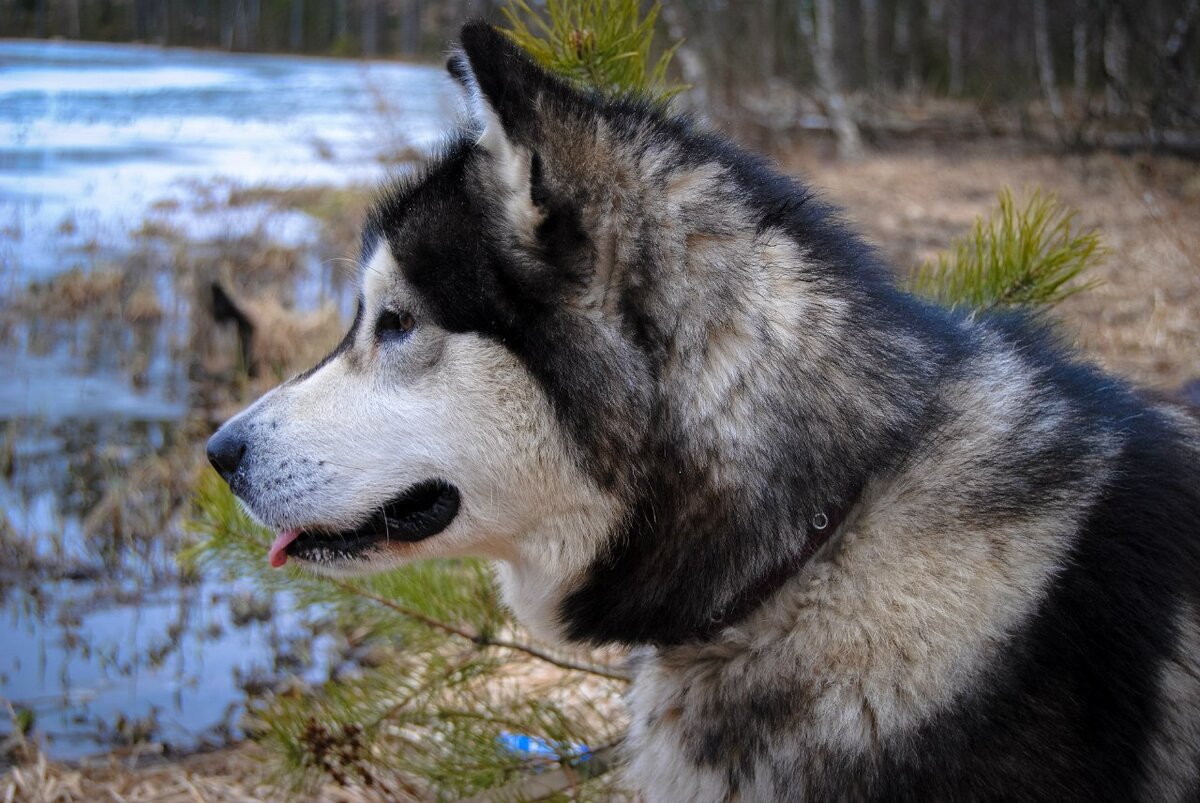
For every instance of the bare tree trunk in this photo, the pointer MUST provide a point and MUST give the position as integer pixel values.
(341, 20)
(1116, 63)
(1181, 28)
(239, 25)
(370, 28)
(410, 27)
(849, 141)
(253, 16)
(954, 45)
(296, 32)
(937, 11)
(870, 15)
(1079, 37)
(760, 32)
(73, 28)
(1170, 98)
(1045, 59)
(229, 12)
(141, 15)
(905, 46)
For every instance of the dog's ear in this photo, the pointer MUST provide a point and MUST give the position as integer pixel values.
(504, 84)
(505, 90)
(512, 99)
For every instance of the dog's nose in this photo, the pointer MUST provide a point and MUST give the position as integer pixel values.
(226, 449)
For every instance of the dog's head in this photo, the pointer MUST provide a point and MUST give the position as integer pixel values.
(585, 339)
(448, 420)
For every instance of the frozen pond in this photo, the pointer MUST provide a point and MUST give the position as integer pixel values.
(96, 133)
(100, 636)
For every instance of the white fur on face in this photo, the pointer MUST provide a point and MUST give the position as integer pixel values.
(329, 449)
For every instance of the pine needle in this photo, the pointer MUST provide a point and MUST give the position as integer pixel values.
(601, 44)
(1029, 256)
(428, 718)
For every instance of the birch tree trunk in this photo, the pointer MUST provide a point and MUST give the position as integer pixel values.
(845, 129)
(1079, 37)
(1045, 59)
(954, 46)
(1116, 63)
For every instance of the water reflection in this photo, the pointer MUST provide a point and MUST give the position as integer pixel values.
(131, 179)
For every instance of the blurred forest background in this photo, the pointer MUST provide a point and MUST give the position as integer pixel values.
(178, 232)
(1092, 73)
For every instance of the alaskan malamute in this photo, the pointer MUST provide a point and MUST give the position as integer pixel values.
(871, 549)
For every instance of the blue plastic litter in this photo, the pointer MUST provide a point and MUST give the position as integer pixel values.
(534, 748)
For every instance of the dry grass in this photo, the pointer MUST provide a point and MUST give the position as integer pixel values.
(107, 292)
(222, 776)
(1142, 322)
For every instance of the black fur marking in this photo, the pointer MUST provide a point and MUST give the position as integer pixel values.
(506, 76)
(676, 561)
(680, 560)
(421, 511)
(1071, 704)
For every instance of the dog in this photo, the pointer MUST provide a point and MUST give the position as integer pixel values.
(865, 548)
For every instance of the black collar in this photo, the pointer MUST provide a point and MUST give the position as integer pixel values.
(821, 527)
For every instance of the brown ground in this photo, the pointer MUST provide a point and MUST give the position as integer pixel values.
(223, 776)
(1142, 322)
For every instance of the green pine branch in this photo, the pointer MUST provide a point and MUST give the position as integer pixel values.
(449, 598)
(1030, 256)
(432, 593)
(602, 44)
(429, 716)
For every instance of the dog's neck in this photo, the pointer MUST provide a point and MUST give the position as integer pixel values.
(769, 399)
(822, 528)
(940, 563)
(710, 540)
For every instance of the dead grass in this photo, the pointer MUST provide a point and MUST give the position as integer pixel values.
(232, 774)
(221, 776)
(1142, 322)
(339, 210)
(111, 292)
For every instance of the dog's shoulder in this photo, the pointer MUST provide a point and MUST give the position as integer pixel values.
(1015, 607)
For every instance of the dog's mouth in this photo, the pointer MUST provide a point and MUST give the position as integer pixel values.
(422, 511)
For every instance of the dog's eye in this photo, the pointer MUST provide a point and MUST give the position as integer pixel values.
(394, 325)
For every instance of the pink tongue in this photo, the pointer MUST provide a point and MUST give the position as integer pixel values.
(277, 555)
